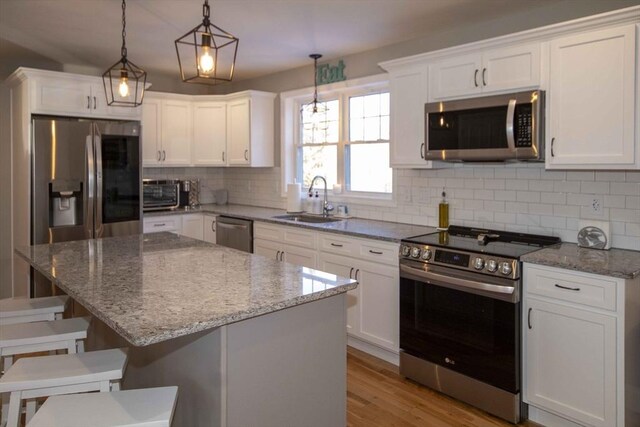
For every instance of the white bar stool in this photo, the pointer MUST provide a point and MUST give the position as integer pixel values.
(150, 407)
(23, 310)
(34, 377)
(22, 338)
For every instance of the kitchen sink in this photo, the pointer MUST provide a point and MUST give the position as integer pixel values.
(307, 218)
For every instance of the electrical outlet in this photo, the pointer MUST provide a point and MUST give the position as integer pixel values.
(596, 206)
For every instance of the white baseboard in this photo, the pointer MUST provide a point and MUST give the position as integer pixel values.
(548, 419)
(374, 350)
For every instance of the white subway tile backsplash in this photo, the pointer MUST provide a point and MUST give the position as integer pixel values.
(615, 201)
(474, 183)
(580, 176)
(610, 176)
(528, 196)
(528, 173)
(540, 209)
(633, 202)
(553, 198)
(591, 187)
(566, 186)
(517, 184)
(540, 185)
(626, 188)
(507, 195)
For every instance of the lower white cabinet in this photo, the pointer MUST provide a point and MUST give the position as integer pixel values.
(156, 224)
(209, 228)
(286, 244)
(193, 226)
(581, 348)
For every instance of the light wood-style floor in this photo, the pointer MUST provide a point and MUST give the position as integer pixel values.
(378, 396)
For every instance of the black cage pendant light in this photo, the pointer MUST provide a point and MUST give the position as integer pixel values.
(124, 82)
(207, 53)
(312, 107)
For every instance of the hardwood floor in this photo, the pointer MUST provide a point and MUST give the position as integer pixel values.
(378, 396)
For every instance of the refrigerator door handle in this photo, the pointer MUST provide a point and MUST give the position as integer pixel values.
(89, 189)
(99, 231)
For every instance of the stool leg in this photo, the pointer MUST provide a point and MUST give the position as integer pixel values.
(14, 409)
(80, 346)
(31, 410)
(7, 362)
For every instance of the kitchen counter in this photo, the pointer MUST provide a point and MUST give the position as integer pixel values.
(127, 281)
(621, 263)
(371, 229)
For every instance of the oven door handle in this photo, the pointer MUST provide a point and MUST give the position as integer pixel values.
(459, 283)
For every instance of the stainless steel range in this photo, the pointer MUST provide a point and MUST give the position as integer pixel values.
(460, 314)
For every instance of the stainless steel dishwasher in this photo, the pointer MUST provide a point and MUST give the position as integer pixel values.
(235, 233)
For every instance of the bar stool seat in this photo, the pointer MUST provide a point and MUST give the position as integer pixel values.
(22, 338)
(150, 407)
(34, 377)
(23, 310)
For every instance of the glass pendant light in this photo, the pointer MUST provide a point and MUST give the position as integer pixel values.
(312, 112)
(207, 53)
(124, 82)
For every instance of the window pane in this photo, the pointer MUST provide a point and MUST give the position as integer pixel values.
(369, 117)
(321, 161)
(369, 168)
(320, 127)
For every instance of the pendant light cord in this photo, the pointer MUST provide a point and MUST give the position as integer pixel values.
(123, 50)
(206, 13)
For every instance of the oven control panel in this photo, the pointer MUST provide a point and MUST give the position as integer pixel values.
(470, 261)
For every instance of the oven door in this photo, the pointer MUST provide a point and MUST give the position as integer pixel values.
(468, 325)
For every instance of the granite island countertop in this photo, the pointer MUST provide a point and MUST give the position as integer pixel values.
(621, 263)
(155, 287)
(366, 228)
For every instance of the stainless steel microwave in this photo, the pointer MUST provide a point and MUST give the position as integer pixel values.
(491, 128)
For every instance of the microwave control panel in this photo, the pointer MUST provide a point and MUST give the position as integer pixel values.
(523, 126)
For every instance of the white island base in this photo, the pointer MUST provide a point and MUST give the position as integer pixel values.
(286, 368)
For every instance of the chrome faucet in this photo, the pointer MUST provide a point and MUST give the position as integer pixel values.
(326, 207)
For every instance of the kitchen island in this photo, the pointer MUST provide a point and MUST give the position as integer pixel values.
(248, 340)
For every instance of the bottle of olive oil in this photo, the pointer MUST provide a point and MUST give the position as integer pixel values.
(443, 213)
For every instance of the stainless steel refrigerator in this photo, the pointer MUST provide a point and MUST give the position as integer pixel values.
(86, 182)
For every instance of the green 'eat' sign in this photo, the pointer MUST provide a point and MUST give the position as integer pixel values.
(330, 73)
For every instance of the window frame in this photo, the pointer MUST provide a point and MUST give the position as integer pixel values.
(290, 127)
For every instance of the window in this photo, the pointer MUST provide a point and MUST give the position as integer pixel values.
(346, 141)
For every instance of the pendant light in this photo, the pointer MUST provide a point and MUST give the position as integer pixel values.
(207, 53)
(312, 112)
(124, 82)
(315, 57)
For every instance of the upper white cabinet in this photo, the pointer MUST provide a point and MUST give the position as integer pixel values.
(209, 134)
(166, 130)
(74, 95)
(250, 129)
(592, 101)
(208, 130)
(494, 70)
(408, 91)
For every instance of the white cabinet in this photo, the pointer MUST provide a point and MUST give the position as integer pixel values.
(193, 226)
(250, 129)
(166, 130)
(373, 307)
(503, 69)
(156, 224)
(578, 330)
(209, 134)
(75, 95)
(408, 90)
(209, 226)
(176, 132)
(592, 101)
(287, 244)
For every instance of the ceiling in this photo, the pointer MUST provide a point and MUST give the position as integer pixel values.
(274, 35)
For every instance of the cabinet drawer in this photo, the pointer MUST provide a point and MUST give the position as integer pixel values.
(379, 252)
(284, 234)
(591, 290)
(164, 223)
(338, 245)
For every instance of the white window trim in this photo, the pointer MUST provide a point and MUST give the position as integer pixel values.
(289, 125)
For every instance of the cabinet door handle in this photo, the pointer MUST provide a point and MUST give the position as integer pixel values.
(246, 155)
(422, 150)
(484, 73)
(336, 245)
(164, 155)
(95, 103)
(277, 255)
(88, 102)
(357, 271)
(282, 256)
(475, 78)
(213, 223)
(375, 252)
(351, 273)
(567, 288)
(552, 141)
(223, 156)
(159, 155)
(529, 318)
(159, 225)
